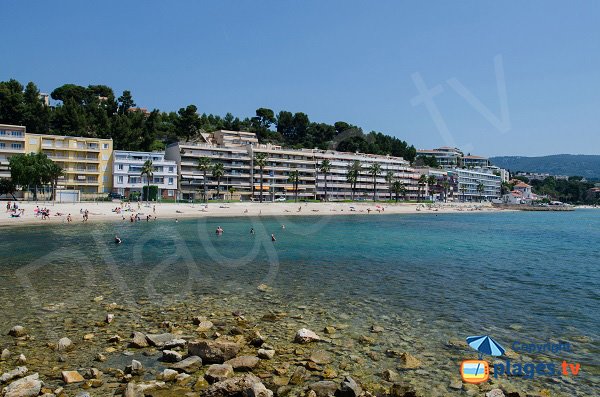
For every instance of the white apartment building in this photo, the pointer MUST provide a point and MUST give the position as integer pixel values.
(127, 168)
(12, 141)
(468, 180)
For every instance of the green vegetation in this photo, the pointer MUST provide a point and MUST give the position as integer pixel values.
(573, 190)
(587, 166)
(95, 111)
(32, 171)
(151, 196)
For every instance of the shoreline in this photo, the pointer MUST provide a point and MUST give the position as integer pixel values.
(104, 211)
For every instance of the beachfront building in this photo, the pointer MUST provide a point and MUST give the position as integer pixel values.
(236, 150)
(127, 178)
(446, 157)
(85, 161)
(469, 181)
(12, 141)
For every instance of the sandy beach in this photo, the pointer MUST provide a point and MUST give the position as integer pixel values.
(106, 211)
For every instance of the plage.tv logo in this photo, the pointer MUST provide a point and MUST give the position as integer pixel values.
(474, 371)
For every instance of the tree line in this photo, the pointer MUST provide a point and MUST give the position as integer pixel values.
(573, 190)
(96, 111)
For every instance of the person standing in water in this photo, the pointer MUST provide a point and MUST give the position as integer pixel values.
(117, 240)
(252, 231)
(273, 237)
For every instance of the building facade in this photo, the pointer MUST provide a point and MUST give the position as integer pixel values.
(127, 178)
(476, 184)
(12, 141)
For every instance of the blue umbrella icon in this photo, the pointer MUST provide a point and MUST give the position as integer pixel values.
(485, 345)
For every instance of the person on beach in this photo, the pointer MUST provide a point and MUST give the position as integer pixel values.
(8, 207)
(154, 209)
(273, 237)
(117, 240)
(69, 219)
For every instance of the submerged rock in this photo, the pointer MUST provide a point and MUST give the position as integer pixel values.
(189, 365)
(246, 385)
(218, 372)
(243, 363)
(408, 361)
(17, 331)
(214, 352)
(28, 386)
(15, 373)
(320, 357)
(71, 377)
(305, 335)
(348, 388)
(138, 340)
(5, 355)
(323, 388)
(171, 356)
(159, 340)
(266, 354)
(64, 344)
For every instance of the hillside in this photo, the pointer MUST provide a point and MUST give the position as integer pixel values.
(587, 166)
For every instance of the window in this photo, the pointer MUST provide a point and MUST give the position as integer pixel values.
(170, 181)
(120, 167)
(33, 141)
(105, 178)
(170, 193)
(105, 146)
(171, 170)
(16, 145)
(2, 145)
(120, 179)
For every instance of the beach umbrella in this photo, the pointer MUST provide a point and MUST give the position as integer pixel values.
(485, 345)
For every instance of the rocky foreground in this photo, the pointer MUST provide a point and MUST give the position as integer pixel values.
(218, 354)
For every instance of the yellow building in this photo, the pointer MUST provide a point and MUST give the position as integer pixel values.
(86, 162)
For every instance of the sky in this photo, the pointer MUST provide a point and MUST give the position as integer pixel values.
(492, 78)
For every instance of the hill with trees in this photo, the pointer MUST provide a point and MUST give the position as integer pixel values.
(96, 111)
(587, 166)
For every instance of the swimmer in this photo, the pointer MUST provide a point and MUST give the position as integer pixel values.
(117, 240)
(283, 227)
(252, 230)
(273, 237)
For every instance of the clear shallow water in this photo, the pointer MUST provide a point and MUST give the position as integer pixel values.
(427, 279)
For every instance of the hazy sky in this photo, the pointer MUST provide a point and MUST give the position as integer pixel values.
(358, 61)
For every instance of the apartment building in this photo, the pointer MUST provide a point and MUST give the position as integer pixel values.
(446, 157)
(127, 169)
(237, 150)
(85, 161)
(12, 141)
(469, 179)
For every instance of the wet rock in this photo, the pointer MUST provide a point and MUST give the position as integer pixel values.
(266, 354)
(366, 340)
(329, 373)
(5, 355)
(100, 357)
(171, 356)
(218, 373)
(115, 339)
(188, 365)
(390, 376)
(263, 288)
(456, 384)
(348, 388)
(132, 390)
(408, 361)
(83, 394)
(214, 352)
(93, 373)
(15, 373)
(495, 393)
(136, 368)
(71, 377)
(243, 363)
(329, 330)
(401, 390)
(323, 388)
(64, 345)
(376, 329)
(109, 318)
(320, 357)
(88, 336)
(159, 340)
(298, 376)
(138, 340)
(21, 359)
(305, 335)
(168, 375)
(174, 344)
(204, 326)
(17, 331)
(258, 340)
(198, 319)
(28, 386)
(246, 385)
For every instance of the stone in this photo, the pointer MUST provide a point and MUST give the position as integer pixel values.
(243, 363)
(401, 390)
(174, 344)
(320, 357)
(171, 356)
(15, 373)
(258, 340)
(198, 319)
(214, 352)
(329, 373)
(376, 329)
(298, 376)
(324, 388)
(263, 287)
(259, 390)
(136, 368)
(100, 357)
(5, 355)
(28, 386)
(495, 393)
(305, 335)
(83, 394)
(266, 354)
(88, 336)
(21, 359)
(218, 373)
(204, 326)
(169, 375)
(64, 345)
(159, 340)
(71, 377)
(132, 391)
(17, 331)
(188, 365)
(109, 318)
(408, 361)
(390, 376)
(245, 385)
(115, 339)
(138, 340)
(329, 330)
(348, 388)
(456, 384)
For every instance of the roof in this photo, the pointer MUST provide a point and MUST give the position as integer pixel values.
(475, 157)
(522, 184)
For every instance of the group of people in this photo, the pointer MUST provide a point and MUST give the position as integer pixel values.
(14, 209)
(44, 212)
(85, 213)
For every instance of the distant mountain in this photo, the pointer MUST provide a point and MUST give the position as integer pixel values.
(587, 166)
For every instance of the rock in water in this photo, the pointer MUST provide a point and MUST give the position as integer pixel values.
(64, 345)
(28, 386)
(109, 318)
(266, 354)
(305, 335)
(348, 388)
(259, 390)
(204, 326)
(323, 388)
(159, 340)
(246, 385)
(171, 356)
(320, 357)
(214, 352)
(169, 375)
(71, 377)
(5, 355)
(243, 363)
(15, 373)
(138, 340)
(390, 376)
(495, 393)
(218, 373)
(17, 331)
(136, 368)
(408, 361)
(189, 365)
(21, 359)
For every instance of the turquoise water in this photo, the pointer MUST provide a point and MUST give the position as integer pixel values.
(428, 279)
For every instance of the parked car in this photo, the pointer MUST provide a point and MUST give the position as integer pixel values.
(280, 199)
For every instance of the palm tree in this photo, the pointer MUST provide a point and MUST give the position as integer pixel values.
(52, 173)
(389, 179)
(260, 161)
(431, 182)
(422, 183)
(217, 172)
(353, 174)
(374, 171)
(463, 190)
(204, 166)
(325, 167)
(148, 170)
(231, 191)
(446, 187)
(295, 179)
(480, 190)
(398, 188)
